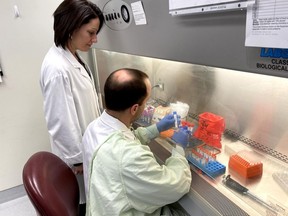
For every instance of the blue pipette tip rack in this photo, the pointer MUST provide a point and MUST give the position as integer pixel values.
(211, 168)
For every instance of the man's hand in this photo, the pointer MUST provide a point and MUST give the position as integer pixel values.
(182, 137)
(167, 122)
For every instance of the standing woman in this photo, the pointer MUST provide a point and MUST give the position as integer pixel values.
(70, 97)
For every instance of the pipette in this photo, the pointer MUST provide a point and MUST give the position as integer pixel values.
(175, 118)
(231, 183)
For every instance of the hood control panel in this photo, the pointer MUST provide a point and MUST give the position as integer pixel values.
(117, 15)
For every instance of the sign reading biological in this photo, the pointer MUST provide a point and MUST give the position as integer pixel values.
(278, 59)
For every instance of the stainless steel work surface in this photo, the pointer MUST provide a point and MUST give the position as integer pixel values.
(214, 198)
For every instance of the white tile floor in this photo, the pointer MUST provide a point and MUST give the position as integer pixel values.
(20, 206)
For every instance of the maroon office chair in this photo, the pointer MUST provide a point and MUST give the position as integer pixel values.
(51, 185)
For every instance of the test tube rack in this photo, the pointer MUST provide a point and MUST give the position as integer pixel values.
(206, 163)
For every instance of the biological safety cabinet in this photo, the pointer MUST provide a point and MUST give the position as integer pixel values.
(201, 59)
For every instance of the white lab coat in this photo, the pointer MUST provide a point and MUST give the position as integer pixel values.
(70, 103)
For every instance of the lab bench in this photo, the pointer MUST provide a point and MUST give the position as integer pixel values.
(209, 196)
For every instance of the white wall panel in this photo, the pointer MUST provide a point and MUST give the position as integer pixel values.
(23, 43)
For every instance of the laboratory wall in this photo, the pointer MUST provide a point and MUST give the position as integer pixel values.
(24, 40)
(212, 39)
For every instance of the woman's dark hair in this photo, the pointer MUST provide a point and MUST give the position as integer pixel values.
(71, 15)
(121, 95)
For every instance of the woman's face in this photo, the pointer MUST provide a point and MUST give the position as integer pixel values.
(84, 37)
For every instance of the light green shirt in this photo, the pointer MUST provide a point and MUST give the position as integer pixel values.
(125, 178)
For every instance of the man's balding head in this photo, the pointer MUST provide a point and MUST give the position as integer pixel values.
(124, 88)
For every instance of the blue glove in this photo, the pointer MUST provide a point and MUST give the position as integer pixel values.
(167, 122)
(182, 137)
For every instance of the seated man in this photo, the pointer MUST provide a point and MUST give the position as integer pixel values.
(121, 174)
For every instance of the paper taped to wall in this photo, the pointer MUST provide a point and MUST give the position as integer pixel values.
(138, 13)
(267, 24)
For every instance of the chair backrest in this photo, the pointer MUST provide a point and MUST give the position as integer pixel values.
(51, 185)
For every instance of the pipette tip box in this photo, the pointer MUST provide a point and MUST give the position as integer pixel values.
(243, 164)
